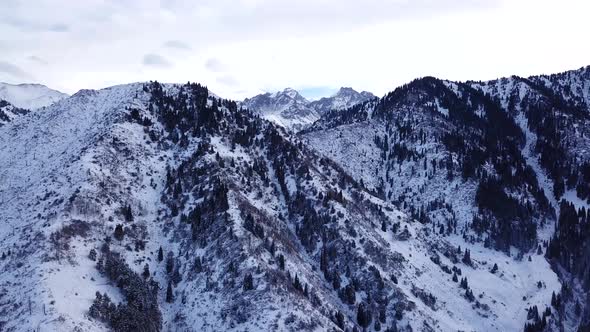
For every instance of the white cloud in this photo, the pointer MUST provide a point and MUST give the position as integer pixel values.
(156, 60)
(243, 47)
(177, 44)
(13, 71)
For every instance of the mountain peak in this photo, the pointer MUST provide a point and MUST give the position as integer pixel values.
(345, 90)
(29, 95)
(286, 108)
(345, 97)
(291, 93)
(349, 91)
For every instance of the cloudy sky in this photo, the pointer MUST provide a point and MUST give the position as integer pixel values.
(242, 47)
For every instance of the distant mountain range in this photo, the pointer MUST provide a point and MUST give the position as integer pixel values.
(29, 96)
(289, 109)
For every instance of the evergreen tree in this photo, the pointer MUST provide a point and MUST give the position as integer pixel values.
(464, 284)
(494, 268)
(336, 280)
(296, 283)
(281, 262)
(169, 294)
(363, 316)
(170, 262)
(394, 279)
(146, 271)
(127, 213)
(349, 294)
(160, 254)
(467, 257)
(248, 282)
(339, 320)
(94, 310)
(119, 233)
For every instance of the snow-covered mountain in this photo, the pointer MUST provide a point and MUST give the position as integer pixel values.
(487, 160)
(289, 109)
(193, 215)
(286, 108)
(161, 207)
(344, 98)
(29, 96)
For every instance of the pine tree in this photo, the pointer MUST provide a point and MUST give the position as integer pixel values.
(467, 257)
(324, 261)
(248, 282)
(363, 316)
(281, 262)
(464, 284)
(336, 280)
(170, 262)
(349, 294)
(94, 310)
(296, 283)
(494, 268)
(127, 213)
(339, 318)
(272, 248)
(169, 295)
(198, 265)
(119, 233)
(146, 271)
(160, 254)
(100, 265)
(394, 279)
(383, 315)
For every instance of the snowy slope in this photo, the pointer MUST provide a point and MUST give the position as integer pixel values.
(29, 96)
(402, 148)
(372, 207)
(49, 160)
(411, 147)
(8, 112)
(71, 169)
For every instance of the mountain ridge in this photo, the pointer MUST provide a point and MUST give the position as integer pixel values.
(29, 96)
(289, 109)
(431, 208)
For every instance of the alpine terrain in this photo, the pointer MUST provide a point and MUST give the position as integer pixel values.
(442, 206)
(29, 96)
(290, 110)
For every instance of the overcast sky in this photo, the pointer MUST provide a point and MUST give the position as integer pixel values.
(243, 47)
